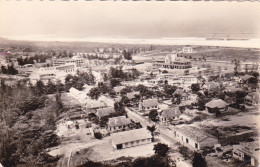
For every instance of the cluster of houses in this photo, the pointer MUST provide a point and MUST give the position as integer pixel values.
(121, 128)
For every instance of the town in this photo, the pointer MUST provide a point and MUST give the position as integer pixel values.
(113, 105)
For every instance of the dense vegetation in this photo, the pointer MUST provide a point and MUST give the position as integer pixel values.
(27, 124)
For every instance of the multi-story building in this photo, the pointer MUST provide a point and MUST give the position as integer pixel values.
(173, 61)
(62, 61)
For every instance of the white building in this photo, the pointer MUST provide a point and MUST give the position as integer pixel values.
(170, 114)
(53, 73)
(62, 61)
(194, 137)
(173, 61)
(148, 104)
(248, 152)
(117, 124)
(131, 138)
(187, 50)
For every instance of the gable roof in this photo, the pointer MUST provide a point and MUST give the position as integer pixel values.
(118, 121)
(102, 112)
(118, 89)
(178, 92)
(246, 77)
(132, 135)
(233, 89)
(211, 85)
(131, 95)
(170, 112)
(150, 102)
(216, 103)
(194, 133)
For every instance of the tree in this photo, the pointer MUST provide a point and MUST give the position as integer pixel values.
(127, 55)
(198, 160)
(98, 135)
(169, 89)
(58, 101)
(125, 100)
(164, 71)
(152, 130)
(114, 82)
(50, 87)
(94, 93)
(195, 88)
(161, 150)
(119, 107)
(39, 88)
(153, 115)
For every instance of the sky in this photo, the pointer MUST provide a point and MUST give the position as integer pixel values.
(82, 19)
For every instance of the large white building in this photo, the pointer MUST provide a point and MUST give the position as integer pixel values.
(173, 61)
(131, 138)
(53, 73)
(62, 61)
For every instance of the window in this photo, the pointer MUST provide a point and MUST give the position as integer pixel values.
(187, 140)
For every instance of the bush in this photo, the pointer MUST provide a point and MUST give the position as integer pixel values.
(98, 135)
(32, 103)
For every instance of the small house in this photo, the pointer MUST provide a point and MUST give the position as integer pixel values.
(216, 106)
(148, 104)
(102, 112)
(118, 89)
(167, 115)
(119, 123)
(132, 95)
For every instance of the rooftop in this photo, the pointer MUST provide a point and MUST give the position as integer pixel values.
(118, 121)
(216, 103)
(150, 102)
(118, 89)
(132, 135)
(170, 112)
(131, 95)
(194, 133)
(102, 112)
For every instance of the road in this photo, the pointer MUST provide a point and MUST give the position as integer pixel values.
(70, 148)
(166, 136)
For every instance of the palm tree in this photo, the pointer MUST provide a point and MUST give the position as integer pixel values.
(152, 129)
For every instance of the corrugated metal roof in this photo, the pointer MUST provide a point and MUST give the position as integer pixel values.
(132, 135)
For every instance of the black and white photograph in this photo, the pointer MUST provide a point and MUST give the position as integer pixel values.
(129, 83)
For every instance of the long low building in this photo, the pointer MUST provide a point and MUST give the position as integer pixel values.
(194, 137)
(131, 138)
(247, 152)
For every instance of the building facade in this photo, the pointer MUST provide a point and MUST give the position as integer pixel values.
(117, 124)
(148, 104)
(248, 153)
(131, 138)
(173, 61)
(194, 137)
